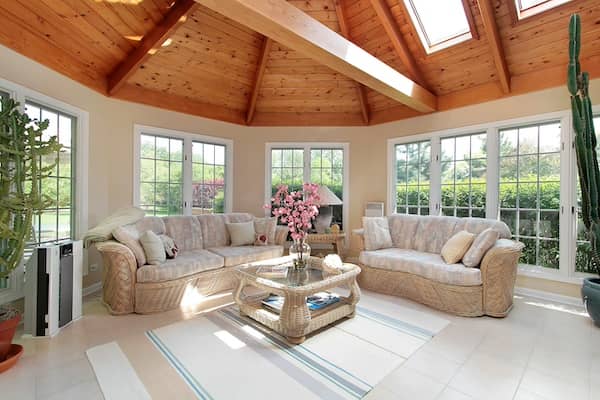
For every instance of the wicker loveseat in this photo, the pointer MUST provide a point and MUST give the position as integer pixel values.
(413, 267)
(204, 264)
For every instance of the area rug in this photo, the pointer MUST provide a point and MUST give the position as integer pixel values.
(222, 355)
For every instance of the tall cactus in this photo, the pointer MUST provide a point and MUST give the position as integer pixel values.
(585, 141)
(21, 150)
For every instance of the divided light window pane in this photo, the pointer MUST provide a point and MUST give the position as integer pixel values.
(161, 175)
(463, 175)
(412, 177)
(57, 221)
(327, 168)
(438, 22)
(287, 168)
(529, 190)
(208, 178)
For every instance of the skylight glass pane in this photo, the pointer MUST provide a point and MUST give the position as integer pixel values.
(525, 4)
(439, 20)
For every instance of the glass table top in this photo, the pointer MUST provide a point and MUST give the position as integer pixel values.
(284, 274)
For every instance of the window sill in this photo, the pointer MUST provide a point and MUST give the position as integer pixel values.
(551, 275)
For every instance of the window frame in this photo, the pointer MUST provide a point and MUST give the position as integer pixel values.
(22, 94)
(307, 146)
(519, 14)
(188, 138)
(430, 48)
(568, 179)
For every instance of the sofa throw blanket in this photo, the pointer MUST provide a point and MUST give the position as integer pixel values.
(103, 231)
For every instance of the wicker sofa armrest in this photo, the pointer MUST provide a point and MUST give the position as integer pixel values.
(281, 233)
(498, 274)
(119, 277)
(360, 234)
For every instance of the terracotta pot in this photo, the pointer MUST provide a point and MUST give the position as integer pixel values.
(7, 332)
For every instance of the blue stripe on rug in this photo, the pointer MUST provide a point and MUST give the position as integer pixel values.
(200, 392)
(297, 352)
(397, 324)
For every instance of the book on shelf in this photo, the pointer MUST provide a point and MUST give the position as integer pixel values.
(315, 302)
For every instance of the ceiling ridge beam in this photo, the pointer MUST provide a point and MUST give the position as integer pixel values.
(149, 44)
(488, 17)
(384, 13)
(299, 31)
(258, 78)
(360, 89)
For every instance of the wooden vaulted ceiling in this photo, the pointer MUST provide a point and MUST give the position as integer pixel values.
(184, 56)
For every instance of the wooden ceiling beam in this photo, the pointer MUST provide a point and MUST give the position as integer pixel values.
(384, 13)
(299, 31)
(360, 89)
(149, 44)
(258, 78)
(488, 17)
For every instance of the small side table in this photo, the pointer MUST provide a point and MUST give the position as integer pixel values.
(336, 239)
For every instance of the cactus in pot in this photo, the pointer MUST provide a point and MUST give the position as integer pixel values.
(587, 163)
(22, 149)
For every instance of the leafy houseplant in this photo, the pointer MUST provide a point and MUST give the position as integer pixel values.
(587, 163)
(297, 209)
(25, 159)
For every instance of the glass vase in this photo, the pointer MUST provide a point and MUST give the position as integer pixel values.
(300, 253)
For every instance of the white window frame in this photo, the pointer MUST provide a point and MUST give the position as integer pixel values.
(22, 94)
(307, 146)
(187, 138)
(568, 168)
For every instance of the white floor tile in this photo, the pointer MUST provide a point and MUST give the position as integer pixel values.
(453, 394)
(436, 367)
(553, 387)
(409, 384)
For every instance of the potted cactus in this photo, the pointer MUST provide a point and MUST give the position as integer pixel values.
(22, 149)
(587, 163)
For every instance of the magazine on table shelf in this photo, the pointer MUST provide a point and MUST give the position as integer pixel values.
(315, 302)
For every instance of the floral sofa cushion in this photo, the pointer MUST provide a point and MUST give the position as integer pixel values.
(427, 265)
(236, 255)
(186, 263)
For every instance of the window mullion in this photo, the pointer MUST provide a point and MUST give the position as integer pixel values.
(187, 176)
(568, 200)
(492, 174)
(435, 179)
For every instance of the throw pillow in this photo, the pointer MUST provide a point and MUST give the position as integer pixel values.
(482, 243)
(266, 226)
(456, 247)
(170, 246)
(241, 233)
(376, 233)
(124, 237)
(260, 239)
(153, 247)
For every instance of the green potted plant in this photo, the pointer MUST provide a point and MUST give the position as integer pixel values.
(25, 159)
(587, 164)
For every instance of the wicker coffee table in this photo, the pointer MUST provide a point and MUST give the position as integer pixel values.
(295, 320)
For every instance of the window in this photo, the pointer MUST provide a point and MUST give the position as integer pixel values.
(439, 24)
(178, 173)
(56, 222)
(320, 163)
(529, 191)
(161, 175)
(463, 175)
(527, 8)
(208, 178)
(412, 177)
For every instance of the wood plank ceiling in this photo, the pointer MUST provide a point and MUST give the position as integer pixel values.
(185, 57)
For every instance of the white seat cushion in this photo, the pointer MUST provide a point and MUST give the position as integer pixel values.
(186, 263)
(236, 255)
(427, 265)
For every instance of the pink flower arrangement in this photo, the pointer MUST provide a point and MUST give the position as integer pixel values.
(296, 209)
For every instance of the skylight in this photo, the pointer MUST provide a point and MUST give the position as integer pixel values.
(440, 24)
(527, 8)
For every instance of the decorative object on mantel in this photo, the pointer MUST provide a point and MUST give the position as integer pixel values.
(297, 209)
(21, 146)
(587, 163)
(326, 199)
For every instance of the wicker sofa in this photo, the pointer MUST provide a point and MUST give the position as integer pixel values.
(204, 264)
(413, 267)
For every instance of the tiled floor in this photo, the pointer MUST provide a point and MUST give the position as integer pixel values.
(542, 350)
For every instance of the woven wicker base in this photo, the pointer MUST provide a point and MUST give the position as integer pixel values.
(163, 296)
(460, 300)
